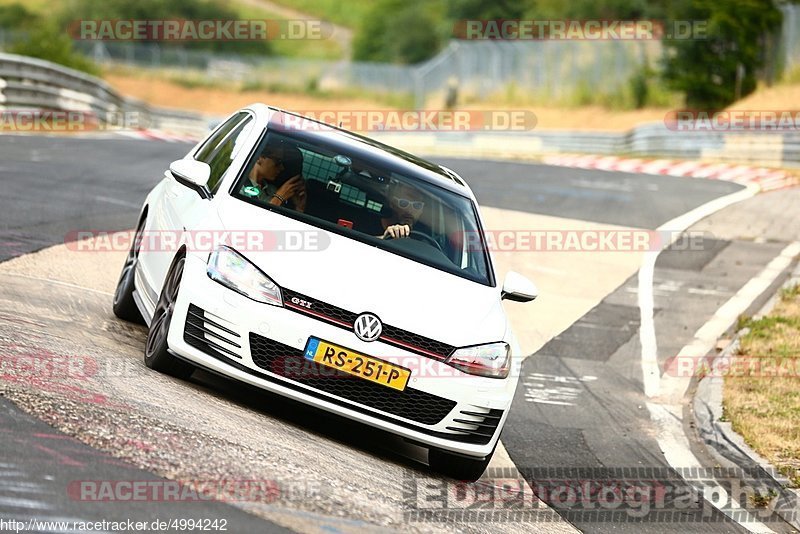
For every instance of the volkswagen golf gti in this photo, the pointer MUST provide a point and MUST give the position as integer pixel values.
(337, 271)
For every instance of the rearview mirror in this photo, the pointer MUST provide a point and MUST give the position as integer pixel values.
(518, 288)
(193, 174)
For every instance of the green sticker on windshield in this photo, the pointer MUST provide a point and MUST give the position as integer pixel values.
(251, 191)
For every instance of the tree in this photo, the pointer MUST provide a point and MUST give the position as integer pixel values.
(46, 42)
(398, 31)
(483, 10)
(15, 17)
(164, 10)
(41, 39)
(591, 9)
(714, 71)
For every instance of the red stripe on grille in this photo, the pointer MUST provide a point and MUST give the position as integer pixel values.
(412, 347)
(317, 314)
(348, 325)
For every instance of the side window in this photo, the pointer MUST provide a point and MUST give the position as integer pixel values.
(218, 136)
(220, 150)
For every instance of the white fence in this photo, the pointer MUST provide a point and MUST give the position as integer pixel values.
(542, 68)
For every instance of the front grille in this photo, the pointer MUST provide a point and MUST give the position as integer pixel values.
(318, 307)
(199, 336)
(391, 335)
(289, 363)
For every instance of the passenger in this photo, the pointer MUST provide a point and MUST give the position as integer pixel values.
(277, 174)
(292, 175)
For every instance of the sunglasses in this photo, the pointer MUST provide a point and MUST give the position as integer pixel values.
(404, 203)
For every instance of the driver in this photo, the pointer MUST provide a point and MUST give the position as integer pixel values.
(406, 203)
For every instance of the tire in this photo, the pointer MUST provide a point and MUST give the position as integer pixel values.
(458, 467)
(124, 306)
(156, 350)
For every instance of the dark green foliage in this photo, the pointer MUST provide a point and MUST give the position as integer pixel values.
(706, 70)
(15, 17)
(398, 31)
(45, 41)
(42, 39)
(483, 10)
(163, 10)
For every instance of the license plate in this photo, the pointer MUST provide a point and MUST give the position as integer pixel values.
(357, 364)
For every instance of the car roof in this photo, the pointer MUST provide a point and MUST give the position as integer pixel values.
(363, 147)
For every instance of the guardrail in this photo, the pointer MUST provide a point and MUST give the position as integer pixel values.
(30, 83)
(772, 149)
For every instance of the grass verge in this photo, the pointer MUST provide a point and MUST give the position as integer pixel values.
(762, 391)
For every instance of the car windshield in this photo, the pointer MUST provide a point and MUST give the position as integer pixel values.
(361, 200)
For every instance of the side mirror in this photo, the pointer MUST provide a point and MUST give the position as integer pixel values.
(518, 288)
(193, 174)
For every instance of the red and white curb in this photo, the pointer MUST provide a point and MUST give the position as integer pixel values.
(766, 179)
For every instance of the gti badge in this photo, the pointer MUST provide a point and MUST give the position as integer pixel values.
(300, 302)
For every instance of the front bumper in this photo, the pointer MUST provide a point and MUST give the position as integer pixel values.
(232, 335)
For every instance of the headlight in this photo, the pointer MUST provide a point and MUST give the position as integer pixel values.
(230, 269)
(492, 360)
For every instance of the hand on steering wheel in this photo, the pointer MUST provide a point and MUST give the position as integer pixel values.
(397, 231)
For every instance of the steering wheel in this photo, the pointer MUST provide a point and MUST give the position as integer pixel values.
(426, 238)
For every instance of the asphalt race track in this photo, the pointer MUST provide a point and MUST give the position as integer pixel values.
(580, 411)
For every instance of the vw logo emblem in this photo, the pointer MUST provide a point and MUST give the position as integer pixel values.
(367, 327)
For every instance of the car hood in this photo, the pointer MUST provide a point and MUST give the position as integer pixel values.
(360, 278)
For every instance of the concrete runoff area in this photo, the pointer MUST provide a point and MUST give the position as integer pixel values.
(206, 428)
(60, 300)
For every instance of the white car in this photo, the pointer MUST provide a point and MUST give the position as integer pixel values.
(363, 287)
